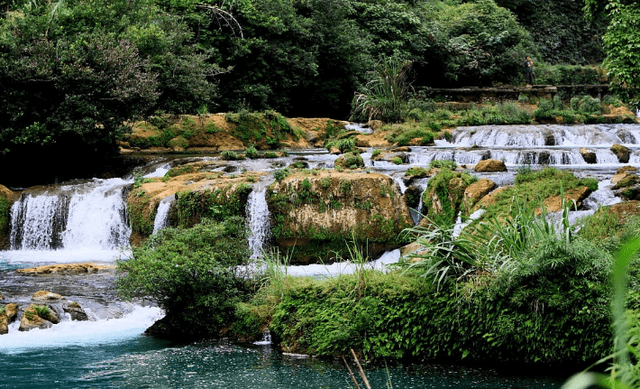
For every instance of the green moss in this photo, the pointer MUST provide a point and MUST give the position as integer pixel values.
(5, 215)
(216, 204)
(418, 172)
(140, 216)
(448, 186)
(181, 170)
(253, 127)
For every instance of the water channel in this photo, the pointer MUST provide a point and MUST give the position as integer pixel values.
(88, 221)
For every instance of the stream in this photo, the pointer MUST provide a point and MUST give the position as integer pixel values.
(88, 221)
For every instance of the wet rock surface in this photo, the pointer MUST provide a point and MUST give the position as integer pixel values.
(67, 297)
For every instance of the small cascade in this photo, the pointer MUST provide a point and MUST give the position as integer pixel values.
(162, 214)
(602, 197)
(266, 338)
(605, 156)
(38, 221)
(90, 215)
(400, 182)
(98, 218)
(258, 219)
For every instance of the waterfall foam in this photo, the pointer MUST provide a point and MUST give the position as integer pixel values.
(258, 219)
(162, 214)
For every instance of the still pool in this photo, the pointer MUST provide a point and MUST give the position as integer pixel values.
(114, 354)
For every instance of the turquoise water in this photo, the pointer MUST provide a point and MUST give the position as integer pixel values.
(143, 362)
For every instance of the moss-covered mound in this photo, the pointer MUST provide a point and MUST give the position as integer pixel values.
(316, 214)
(443, 197)
(197, 193)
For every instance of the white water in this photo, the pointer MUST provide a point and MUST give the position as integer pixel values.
(80, 333)
(97, 219)
(33, 221)
(258, 219)
(70, 223)
(162, 214)
(337, 268)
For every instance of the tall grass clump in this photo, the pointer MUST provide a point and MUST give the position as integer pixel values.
(385, 96)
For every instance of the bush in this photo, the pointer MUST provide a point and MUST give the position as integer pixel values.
(441, 163)
(229, 155)
(192, 273)
(252, 152)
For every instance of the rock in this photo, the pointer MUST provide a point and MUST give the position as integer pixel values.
(71, 268)
(31, 320)
(417, 172)
(549, 139)
(588, 155)
(413, 248)
(577, 195)
(4, 324)
(11, 311)
(375, 125)
(349, 161)
(443, 197)
(1, 297)
(627, 169)
(621, 152)
(412, 196)
(43, 295)
(476, 191)
(490, 198)
(335, 151)
(618, 177)
(490, 165)
(75, 311)
(401, 149)
(319, 212)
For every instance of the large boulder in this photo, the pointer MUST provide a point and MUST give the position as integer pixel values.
(476, 191)
(197, 192)
(621, 152)
(11, 310)
(75, 311)
(318, 213)
(572, 197)
(7, 315)
(38, 317)
(490, 165)
(588, 155)
(349, 161)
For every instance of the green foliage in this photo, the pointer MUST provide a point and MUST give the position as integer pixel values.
(217, 204)
(74, 72)
(252, 152)
(230, 155)
(344, 145)
(402, 134)
(385, 96)
(281, 174)
(192, 274)
(476, 43)
(419, 172)
(350, 161)
(448, 186)
(268, 126)
(621, 41)
(443, 163)
(547, 74)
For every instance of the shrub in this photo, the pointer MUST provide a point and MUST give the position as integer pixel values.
(440, 163)
(229, 155)
(252, 152)
(281, 174)
(192, 273)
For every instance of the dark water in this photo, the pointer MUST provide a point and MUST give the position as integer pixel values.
(143, 362)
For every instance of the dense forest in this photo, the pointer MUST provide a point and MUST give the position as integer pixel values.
(73, 72)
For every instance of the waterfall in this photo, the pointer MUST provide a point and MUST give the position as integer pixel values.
(37, 222)
(92, 215)
(98, 218)
(258, 219)
(162, 214)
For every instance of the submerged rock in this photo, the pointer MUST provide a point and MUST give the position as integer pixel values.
(588, 155)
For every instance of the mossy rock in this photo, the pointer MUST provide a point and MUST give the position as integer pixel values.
(417, 172)
(443, 197)
(349, 161)
(318, 214)
(621, 152)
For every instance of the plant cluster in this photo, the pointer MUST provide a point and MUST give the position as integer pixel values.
(194, 275)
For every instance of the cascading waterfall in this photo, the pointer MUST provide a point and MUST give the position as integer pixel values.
(71, 217)
(98, 218)
(162, 214)
(37, 221)
(258, 219)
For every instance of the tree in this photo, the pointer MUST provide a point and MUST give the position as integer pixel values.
(622, 46)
